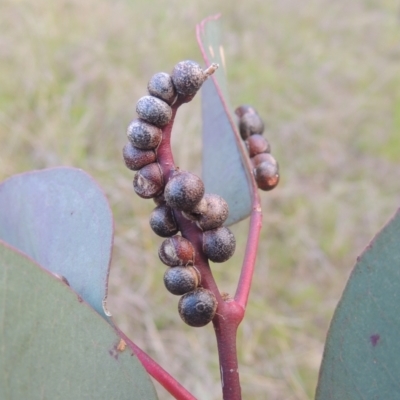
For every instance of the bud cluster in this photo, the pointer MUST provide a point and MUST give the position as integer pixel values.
(265, 167)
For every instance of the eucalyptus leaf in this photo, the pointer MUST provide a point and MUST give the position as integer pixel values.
(362, 352)
(54, 346)
(225, 170)
(61, 218)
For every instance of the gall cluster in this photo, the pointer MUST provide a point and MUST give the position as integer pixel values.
(183, 193)
(265, 167)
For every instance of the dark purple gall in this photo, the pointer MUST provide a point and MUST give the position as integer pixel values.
(219, 244)
(137, 158)
(148, 181)
(154, 111)
(215, 214)
(184, 191)
(266, 175)
(197, 308)
(144, 135)
(176, 251)
(161, 86)
(257, 144)
(250, 123)
(162, 221)
(181, 280)
(188, 76)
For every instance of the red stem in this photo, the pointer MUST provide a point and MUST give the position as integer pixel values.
(229, 315)
(170, 384)
(164, 153)
(246, 274)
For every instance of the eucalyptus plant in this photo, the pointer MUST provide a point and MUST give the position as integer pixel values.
(58, 339)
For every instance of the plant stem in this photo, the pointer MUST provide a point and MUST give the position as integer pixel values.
(170, 384)
(229, 315)
(164, 153)
(246, 274)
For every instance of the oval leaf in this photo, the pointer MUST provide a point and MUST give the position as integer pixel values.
(54, 346)
(361, 358)
(225, 170)
(61, 218)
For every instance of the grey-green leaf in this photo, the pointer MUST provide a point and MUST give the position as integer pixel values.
(61, 218)
(225, 170)
(362, 352)
(54, 346)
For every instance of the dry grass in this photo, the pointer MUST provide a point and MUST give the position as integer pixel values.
(324, 75)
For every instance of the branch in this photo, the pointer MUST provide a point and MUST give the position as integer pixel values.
(170, 384)
(246, 275)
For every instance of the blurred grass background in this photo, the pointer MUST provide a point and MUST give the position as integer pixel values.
(324, 75)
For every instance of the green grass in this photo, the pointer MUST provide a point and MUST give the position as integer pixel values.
(325, 77)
